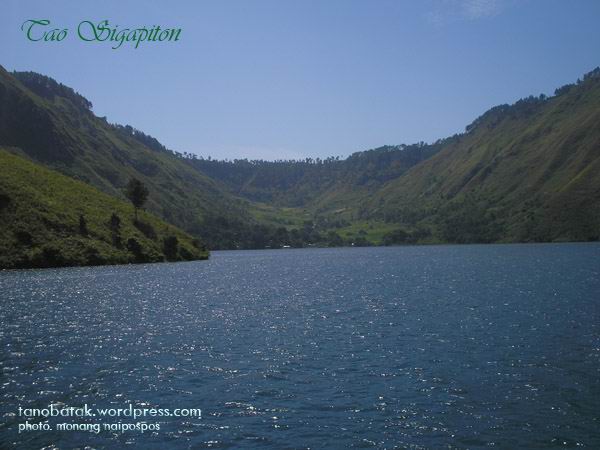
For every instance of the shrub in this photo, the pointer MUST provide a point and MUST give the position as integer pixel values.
(134, 246)
(23, 237)
(93, 257)
(4, 201)
(146, 229)
(170, 247)
(48, 256)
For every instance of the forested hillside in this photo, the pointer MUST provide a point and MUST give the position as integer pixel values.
(315, 181)
(519, 173)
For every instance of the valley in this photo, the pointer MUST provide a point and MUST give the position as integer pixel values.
(526, 172)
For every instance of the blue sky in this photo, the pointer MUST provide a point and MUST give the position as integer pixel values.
(296, 78)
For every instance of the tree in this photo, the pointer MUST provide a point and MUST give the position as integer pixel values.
(136, 248)
(115, 228)
(137, 193)
(115, 223)
(83, 225)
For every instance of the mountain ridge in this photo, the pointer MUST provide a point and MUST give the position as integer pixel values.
(524, 160)
(55, 127)
(464, 188)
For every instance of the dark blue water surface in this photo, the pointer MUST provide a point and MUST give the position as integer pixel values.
(408, 347)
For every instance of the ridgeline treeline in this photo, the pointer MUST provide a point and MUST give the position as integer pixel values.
(526, 172)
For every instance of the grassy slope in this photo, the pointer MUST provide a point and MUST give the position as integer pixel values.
(531, 173)
(55, 131)
(526, 172)
(39, 222)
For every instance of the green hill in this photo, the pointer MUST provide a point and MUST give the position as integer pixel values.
(315, 182)
(523, 172)
(50, 220)
(56, 127)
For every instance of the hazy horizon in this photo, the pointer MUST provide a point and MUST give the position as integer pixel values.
(278, 80)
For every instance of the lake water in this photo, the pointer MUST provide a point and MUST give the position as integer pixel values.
(407, 347)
